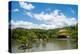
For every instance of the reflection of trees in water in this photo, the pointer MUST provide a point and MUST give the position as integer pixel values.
(37, 44)
(25, 47)
(28, 50)
(63, 44)
(47, 45)
(74, 44)
(44, 44)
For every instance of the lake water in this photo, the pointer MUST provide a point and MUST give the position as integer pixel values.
(51, 45)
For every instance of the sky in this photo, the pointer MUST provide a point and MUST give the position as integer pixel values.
(42, 15)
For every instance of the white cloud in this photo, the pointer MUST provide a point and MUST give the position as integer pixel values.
(15, 10)
(48, 16)
(29, 14)
(55, 19)
(42, 16)
(27, 6)
(22, 24)
(29, 25)
(56, 12)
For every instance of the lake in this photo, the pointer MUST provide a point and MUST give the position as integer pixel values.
(51, 45)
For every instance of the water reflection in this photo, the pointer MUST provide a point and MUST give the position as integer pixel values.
(44, 44)
(58, 44)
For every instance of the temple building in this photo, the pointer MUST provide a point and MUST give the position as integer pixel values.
(63, 33)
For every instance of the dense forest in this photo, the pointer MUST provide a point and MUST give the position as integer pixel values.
(27, 36)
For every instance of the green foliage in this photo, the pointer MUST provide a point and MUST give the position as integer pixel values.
(29, 35)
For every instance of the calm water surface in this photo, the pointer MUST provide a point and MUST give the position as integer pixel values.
(58, 44)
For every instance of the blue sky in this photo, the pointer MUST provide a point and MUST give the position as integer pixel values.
(42, 15)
